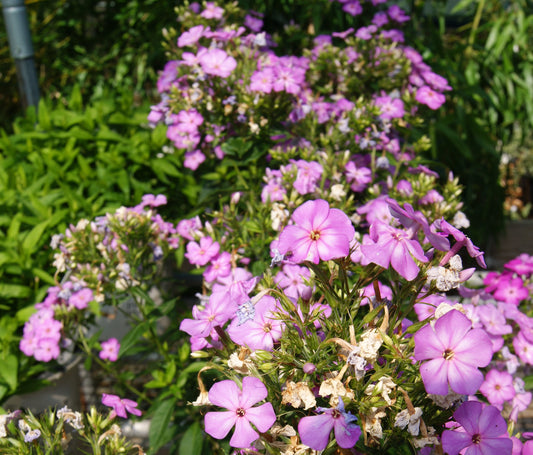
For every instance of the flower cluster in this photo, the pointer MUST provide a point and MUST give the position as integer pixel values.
(100, 260)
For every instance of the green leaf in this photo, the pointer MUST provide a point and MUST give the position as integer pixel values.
(14, 291)
(192, 441)
(34, 236)
(132, 338)
(9, 370)
(44, 115)
(158, 427)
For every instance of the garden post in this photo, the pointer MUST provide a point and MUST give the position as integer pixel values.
(19, 37)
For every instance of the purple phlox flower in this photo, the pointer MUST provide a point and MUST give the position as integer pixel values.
(511, 290)
(261, 330)
(437, 82)
(288, 79)
(32, 435)
(190, 228)
(153, 201)
(523, 348)
(344, 34)
(397, 14)
(352, 7)
(358, 176)
(218, 310)
(212, 11)
(380, 19)
(191, 36)
(483, 431)
(460, 241)
(292, 279)
(318, 233)
(498, 387)
(262, 80)
(168, 76)
(521, 400)
(315, 430)
(431, 197)
(253, 23)
(426, 95)
(394, 35)
(413, 221)
(365, 33)
(454, 351)
(369, 293)
(241, 412)
(219, 267)
(110, 350)
(394, 247)
(121, 406)
(189, 120)
(390, 107)
(201, 254)
(216, 62)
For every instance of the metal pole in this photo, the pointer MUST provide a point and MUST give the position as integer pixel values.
(18, 33)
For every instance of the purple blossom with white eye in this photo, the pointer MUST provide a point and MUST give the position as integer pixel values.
(240, 413)
(453, 351)
(483, 431)
(315, 430)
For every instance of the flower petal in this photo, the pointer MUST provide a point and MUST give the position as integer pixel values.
(452, 328)
(263, 417)
(455, 441)
(315, 430)
(435, 376)
(346, 434)
(225, 394)
(253, 391)
(244, 434)
(218, 424)
(464, 378)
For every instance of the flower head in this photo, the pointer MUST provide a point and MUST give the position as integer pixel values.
(319, 233)
(110, 350)
(483, 431)
(240, 413)
(121, 406)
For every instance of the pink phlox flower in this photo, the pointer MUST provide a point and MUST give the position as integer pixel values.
(241, 412)
(437, 82)
(523, 348)
(483, 431)
(168, 76)
(426, 95)
(511, 291)
(260, 331)
(189, 228)
(369, 293)
(493, 320)
(217, 311)
(121, 406)
(288, 79)
(318, 233)
(189, 120)
(315, 430)
(193, 159)
(460, 241)
(365, 33)
(253, 23)
(191, 36)
(394, 247)
(216, 62)
(413, 221)
(521, 400)
(219, 267)
(431, 197)
(46, 349)
(262, 80)
(110, 350)
(498, 387)
(200, 254)
(358, 176)
(273, 191)
(212, 11)
(237, 285)
(376, 210)
(292, 279)
(380, 19)
(81, 298)
(390, 107)
(453, 351)
(151, 200)
(521, 265)
(308, 175)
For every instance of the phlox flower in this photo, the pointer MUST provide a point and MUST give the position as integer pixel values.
(191, 36)
(46, 349)
(216, 62)
(358, 176)
(315, 430)
(453, 351)
(352, 7)
(292, 280)
(260, 331)
(240, 413)
(394, 247)
(498, 387)
(121, 406)
(81, 298)
(307, 177)
(426, 95)
(319, 233)
(201, 254)
(483, 431)
(110, 349)
(212, 11)
(390, 108)
(511, 291)
(193, 159)
(220, 267)
(262, 80)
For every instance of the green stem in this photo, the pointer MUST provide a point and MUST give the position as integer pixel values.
(475, 26)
